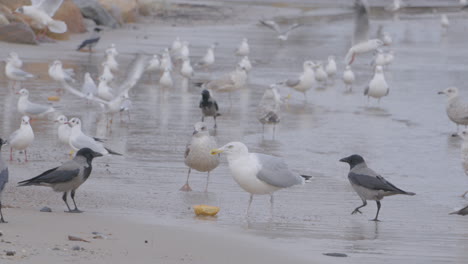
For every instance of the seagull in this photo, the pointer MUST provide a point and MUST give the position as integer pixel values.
(387, 39)
(106, 72)
(348, 77)
(245, 63)
(456, 107)
(377, 87)
(176, 47)
(463, 211)
(209, 57)
(110, 59)
(379, 58)
(184, 50)
(104, 91)
(305, 81)
(269, 107)
(320, 74)
(361, 41)
(166, 61)
(3, 178)
(79, 140)
(444, 22)
(208, 106)
(21, 138)
(331, 68)
(89, 86)
(41, 12)
(258, 174)
(186, 70)
(368, 184)
(197, 153)
(63, 130)
(243, 49)
(395, 6)
(165, 81)
(15, 60)
(16, 74)
(282, 34)
(233, 81)
(112, 50)
(91, 41)
(59, 74)
(68, 177)
(154, 65)
(26, 107)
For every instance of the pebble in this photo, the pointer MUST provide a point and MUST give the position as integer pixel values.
(10, 252)
(340, 255)
(77, 248)
(1, 233)
(46, 209)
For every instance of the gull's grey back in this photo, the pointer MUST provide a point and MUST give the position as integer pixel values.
(275, 171)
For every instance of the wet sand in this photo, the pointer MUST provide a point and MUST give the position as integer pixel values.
(406, 137)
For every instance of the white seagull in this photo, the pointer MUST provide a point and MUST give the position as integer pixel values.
(79, 140)
(282, 34)
(59, 74)
(305, 81)
(348, 78)
(41, 12)
(243, 49)
(89, 86)
(209, 58)
(331, 67)
(106, 72)
(104, 91)
(377, 87)
(21, 138)
(258, 174)
(166, 79)
(63, 130)
(26, 107)
(361, 41)
(15, 73)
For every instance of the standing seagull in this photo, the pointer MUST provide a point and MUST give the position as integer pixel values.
(361, 41)
(197, 154)
(67, 177)
(91, 41)
(21, 138)
(258, 174)
(26, 107)
(305, 81)
(348, 78)
(331, 67)
(3, 178)
(377, 87)
(456, 107)
(63, 130)
(209, 57)
(15, 73)
(79, 140)
(268, 108)
(282, 34)
(41, 12)
(444, 22)
(368, 184)
(243, 49)
(208, 106)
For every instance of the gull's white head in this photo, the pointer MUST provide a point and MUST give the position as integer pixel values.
(232, 148)
(75, 122)
(13, 55)
(244, 40)
(450, 92)
(61, 119)
(331, 58)
(200, 129)
(378, 69)
(308, 65)
(348, 67)
(25, 121)
(23, 93)
(57, 63)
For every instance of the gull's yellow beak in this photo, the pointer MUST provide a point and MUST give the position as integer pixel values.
(216, 151)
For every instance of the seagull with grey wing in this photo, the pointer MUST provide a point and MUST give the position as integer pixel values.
(361, 41)
(91, 41)
(368, 184)
(269, 107)
(456, 107)
(3, 178)
(282, 34)
(68, 177)
(27, 107)
(258, 174)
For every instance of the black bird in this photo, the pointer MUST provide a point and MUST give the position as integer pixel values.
(3, 178)
(368, 184)
(208, 106)
(67, 177)
(91, 41)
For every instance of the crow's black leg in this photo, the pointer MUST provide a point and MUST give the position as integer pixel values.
(378, 210)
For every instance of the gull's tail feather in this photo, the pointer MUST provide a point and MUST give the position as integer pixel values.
(306, 177)
(57, 26)
(113, 152)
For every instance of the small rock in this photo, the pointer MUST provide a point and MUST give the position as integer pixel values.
(339, 255)
(10, 252)
(56, 249)
(1, 233)
(77, 248)
(46, 209)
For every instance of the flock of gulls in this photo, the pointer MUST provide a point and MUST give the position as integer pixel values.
(256, 173)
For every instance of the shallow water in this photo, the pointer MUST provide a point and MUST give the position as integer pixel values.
(406, 138)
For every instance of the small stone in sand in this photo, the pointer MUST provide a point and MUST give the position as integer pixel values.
(1, 233)
(10, 252)
(46, 209)
(77, 248)
(340, 255)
